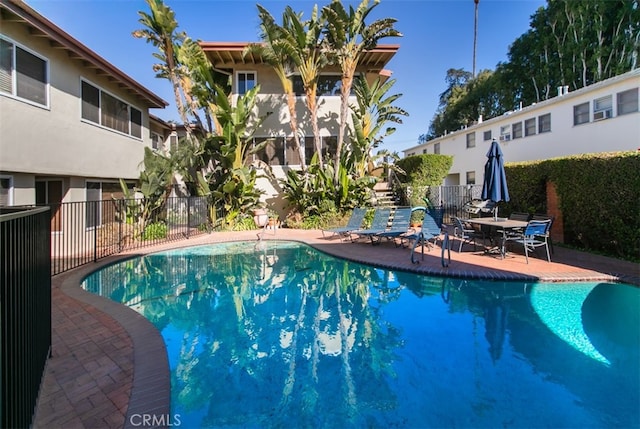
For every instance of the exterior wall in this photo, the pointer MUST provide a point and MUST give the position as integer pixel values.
(618, 133)
(54, 140)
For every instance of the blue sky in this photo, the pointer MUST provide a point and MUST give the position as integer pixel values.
(438, 35)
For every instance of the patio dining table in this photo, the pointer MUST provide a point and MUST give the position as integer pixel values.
(503, 225)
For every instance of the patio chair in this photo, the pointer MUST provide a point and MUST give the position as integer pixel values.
(465, 233)
(429, 231)
(400, 220)
(355, 222)
(546, 217)
(380, 223)
(535, 235)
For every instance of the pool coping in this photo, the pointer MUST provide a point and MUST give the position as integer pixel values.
(150, 385)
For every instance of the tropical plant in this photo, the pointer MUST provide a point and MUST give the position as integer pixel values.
(301, 39)
(370, 116)
(347, 39)
(231, 179)
(276, 52)
(161, 30)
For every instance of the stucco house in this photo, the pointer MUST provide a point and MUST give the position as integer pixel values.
(280, 154)
(71, 123)
(603, 117)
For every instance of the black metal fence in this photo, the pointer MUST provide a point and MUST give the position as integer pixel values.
(25, 311)
(87, 231)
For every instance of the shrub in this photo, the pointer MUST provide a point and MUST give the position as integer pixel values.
(155, 231)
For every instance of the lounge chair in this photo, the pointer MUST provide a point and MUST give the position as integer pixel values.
(429, 231)
(380, 223)
(400, 221)
(354, 223)
(535, 235)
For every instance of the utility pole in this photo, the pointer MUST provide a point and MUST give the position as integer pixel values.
(475, 37)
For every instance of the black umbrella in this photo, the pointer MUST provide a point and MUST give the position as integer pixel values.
(494, 186)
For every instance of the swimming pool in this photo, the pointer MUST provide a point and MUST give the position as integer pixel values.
(281, 335)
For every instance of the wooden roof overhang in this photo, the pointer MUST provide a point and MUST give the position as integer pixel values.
(230, 54)
(38, 26)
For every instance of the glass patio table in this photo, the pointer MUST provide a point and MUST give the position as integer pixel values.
(502, 225)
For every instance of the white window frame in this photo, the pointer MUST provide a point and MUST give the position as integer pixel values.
(505, 133)
(581, 113)
(156, 139)
(518, 130)
(603, 108)
(245, 72)
(541, 121)
(471, 140)
(528, 130)
(471, 175)
(487, 135)
(10, 189)
(14, 75)
(99, 123)
(436, 148)
(622, 102)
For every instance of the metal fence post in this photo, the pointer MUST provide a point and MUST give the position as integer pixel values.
(188, 217)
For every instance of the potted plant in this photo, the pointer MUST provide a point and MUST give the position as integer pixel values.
(260, 216)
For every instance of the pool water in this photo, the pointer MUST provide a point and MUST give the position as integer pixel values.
(277, 334)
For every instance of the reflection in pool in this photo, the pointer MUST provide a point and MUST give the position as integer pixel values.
(281, 335)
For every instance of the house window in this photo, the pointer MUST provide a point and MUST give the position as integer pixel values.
(5, 191)
(471, 177)
(156, 141)
(309, 149)
(23, 74)
(627, 101)
(108, 111)
(49, 192)
(581, 114)
(135, 117)
(291, 152)
(93, 212)
(530, 127)
(505, 133)
(272, 153)
(602, 108)
(173, 142)
(329, 146)
(487, 135)
(246, 81)
(423, 151)
(328, 85)
(516, 129)
(471, 140)
(544, 123)
(436, 148)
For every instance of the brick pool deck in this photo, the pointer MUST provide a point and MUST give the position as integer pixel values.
(109, 367)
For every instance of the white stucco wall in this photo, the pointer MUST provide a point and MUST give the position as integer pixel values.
(619, 133)
(54, 140)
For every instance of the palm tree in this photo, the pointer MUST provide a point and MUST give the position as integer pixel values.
(374, 110)
(302, 40)
(277, 53)
(161, 26)
(348, 38)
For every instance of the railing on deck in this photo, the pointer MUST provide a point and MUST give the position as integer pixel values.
(25, 310)
(84, 232)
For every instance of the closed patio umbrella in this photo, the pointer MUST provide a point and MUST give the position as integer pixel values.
(494, 186)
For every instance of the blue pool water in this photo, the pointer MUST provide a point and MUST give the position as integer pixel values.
(281, 335)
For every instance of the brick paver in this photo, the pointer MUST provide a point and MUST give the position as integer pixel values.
(108, 363)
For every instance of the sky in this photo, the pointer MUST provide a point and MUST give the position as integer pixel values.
(437, 36)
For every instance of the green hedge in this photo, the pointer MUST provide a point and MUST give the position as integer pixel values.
(599, 198)
(421, 171)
